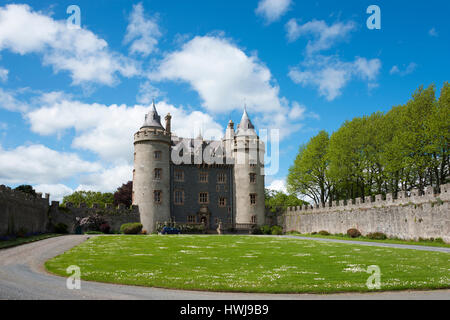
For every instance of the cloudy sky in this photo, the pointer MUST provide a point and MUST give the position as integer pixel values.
(71, 98)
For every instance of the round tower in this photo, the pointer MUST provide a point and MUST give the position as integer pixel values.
(248, 174)
(151, 174)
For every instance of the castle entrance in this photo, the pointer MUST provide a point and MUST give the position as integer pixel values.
(204, 217)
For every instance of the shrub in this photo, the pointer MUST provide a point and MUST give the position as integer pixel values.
(266, 229)
(60, 228)
(93, 232)
(353, 233)
(377, 236)
(92, 223)
(256, 230)
(105, 227)
(277, 230)
(324, 233)
(131, 228)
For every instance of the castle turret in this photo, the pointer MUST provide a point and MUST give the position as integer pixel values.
(248, 176)
(151, 175)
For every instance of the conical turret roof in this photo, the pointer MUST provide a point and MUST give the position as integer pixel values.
(152, 119)
(245, 127)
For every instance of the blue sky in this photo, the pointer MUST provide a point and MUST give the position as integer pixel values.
(70, 99)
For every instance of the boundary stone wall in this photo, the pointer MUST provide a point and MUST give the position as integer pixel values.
(19, 210)
(410, 216)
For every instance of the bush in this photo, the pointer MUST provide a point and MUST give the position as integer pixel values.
(277, 230)
(324, 233)
(377, 236)
(60, 228)
(266, 229)
(131, 228)
(93, 232)
(257, 230)
(105, 227)
(353, 233)
(92, 223)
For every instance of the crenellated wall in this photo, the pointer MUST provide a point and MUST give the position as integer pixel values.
(115, 216)
(19, 210)
(410, 216)
(22, 211)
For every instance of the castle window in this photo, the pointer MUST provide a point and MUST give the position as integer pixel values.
(157, 154)
(221, 178)
(179, 197)
(222, 202)
(254, 219)
(203, 177)
(179, 175)
(203, 197)
(157, 175)
(191, 219)
(157, 196)
(252, 177)
(252, 198)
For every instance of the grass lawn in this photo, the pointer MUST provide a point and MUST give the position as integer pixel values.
(427, 243)
(250, 264)
(18, 241)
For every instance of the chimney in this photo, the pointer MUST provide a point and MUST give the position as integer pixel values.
(167, 118)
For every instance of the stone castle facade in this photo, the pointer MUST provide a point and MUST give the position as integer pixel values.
(198, 181)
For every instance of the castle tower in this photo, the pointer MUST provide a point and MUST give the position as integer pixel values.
(151, 175)
(248, 177)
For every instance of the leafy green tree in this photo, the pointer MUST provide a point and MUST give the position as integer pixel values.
(278, 200)
(308, 174)
(89, 197)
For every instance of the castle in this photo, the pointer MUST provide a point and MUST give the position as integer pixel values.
(197, 181)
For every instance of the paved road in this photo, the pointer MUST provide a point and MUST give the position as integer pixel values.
(22, 276)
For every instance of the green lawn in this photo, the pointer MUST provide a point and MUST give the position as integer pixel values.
(427, 243)
(250, 264)
(18, 241)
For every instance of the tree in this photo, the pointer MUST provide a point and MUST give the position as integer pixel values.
(89, 197)
(26, 189)
(124, 194)
(278, 200)
(308, 174)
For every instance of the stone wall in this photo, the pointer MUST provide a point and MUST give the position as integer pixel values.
(115, 216)
(19, 210)
(410, 216)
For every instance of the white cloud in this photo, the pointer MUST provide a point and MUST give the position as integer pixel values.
(272, 10)
(324, 36)
(433, 32)
(8, 101)
(37, 164)
(78, 51)
(330, 75)
(410, 68)
(3, 74)
(297, 111)
(147, 93)
(224, 76)
(143, 33)
(278, 185)
(107, 180)
(108, 130)
(57, 191)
